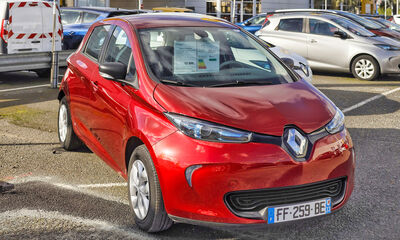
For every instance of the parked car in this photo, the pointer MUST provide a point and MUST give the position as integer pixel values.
(253, 24)
(385, 23)
(25, 28)
(333, 43)
(395, 19)
(203, 134)
(77, 21)
(369, 25)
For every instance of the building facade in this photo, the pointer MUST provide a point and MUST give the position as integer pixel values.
(232, 10)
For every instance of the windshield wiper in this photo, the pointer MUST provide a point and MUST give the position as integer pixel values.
(178, 83)
(241, 83)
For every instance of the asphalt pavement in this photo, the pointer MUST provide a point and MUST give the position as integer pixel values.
(75, 195)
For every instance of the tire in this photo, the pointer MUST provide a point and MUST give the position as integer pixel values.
(155, 218)
(43, 72)
(365, 67)
(66, 135)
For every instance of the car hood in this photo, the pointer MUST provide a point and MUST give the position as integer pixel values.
(388, 32)
(261, 109)
(385, 40)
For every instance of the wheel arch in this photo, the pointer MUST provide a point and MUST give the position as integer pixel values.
(132, 143)
(60, 95)
(361, 54)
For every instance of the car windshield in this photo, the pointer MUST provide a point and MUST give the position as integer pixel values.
(209, 57)
(387, 23)
(352, 27)
(364, 22)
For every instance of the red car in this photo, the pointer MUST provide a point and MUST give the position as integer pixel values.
(204, 122)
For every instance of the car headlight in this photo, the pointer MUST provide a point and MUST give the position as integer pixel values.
(388, 47)
(337, 123)
(207, 131)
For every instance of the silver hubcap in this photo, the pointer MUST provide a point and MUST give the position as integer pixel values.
(139, 189)
(62, 122)
(364, 68)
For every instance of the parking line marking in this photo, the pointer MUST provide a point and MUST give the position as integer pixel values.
(23, 88)
(54, 215)
(102, 185)
(362, 103)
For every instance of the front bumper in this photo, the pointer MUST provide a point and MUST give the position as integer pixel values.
(390, 64)
(229, 168)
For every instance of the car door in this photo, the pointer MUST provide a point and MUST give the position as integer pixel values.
(290, 34)
(81, 86)
(114, 97)
(325, 49)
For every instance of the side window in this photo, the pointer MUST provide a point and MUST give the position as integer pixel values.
(322, 28)
(89, 17)
(119, 50)
(291, 25)
(96, 40)
(257, 20)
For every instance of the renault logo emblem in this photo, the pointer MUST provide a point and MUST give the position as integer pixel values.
(297, 142)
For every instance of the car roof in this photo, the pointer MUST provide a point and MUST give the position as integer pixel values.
(154, 20)
(100, 9)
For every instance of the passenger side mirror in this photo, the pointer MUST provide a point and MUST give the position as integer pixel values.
(340, 34)
(289, 62)
(113, 70)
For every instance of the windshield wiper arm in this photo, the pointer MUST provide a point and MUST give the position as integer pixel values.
(241, 83)
(179, 83)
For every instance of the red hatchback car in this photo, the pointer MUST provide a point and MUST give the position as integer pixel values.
(204, 122)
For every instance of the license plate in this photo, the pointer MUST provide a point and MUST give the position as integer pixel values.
(299, 211)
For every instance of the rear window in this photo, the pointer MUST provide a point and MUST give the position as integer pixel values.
(89, 17)
(291, 25)
(96, 40)
(70, 17)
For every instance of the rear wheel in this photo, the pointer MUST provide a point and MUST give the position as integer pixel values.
(145, 197)
(365, 67)
(66, 134)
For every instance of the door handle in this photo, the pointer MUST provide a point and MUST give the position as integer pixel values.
(95, 85)
(313, 41)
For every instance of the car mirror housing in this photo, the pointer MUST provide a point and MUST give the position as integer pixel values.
(113, 70)
(340, 34)
(289, 62)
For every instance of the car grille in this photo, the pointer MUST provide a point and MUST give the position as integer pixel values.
(243, 203)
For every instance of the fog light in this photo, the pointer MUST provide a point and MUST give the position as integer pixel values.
(189, 173)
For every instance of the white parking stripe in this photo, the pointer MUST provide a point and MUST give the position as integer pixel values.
(102, 185)
(24, 88)
(370, 100)
(54, 215)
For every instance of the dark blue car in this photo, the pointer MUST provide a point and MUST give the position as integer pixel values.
(253, 24)
(76, 22)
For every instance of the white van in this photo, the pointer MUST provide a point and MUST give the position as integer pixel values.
(27, 26)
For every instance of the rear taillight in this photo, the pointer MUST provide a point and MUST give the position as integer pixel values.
(3, 31)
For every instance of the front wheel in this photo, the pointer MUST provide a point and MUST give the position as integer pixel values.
(365, 67)
(145, 197)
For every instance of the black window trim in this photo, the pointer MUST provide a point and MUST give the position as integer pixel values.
(135, 82)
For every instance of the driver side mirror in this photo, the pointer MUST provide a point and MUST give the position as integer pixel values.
(289, 62)
(340, 34)
(248, 23)
(113, 71)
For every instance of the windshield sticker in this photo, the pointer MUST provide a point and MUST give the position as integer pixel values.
(196, 57)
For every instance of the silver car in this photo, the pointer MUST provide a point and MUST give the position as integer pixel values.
(333, 43)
